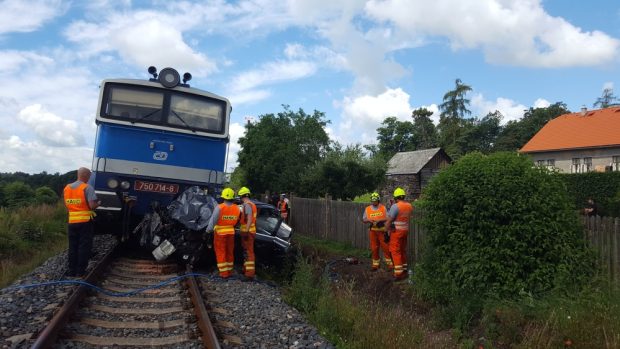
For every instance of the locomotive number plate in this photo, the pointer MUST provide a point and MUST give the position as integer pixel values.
(156, 187)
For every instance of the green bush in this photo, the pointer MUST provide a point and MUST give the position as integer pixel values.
(18, 194)
(45, 195)
(603, 187)
(498, 228)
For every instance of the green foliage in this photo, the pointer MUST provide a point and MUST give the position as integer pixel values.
(55, 181)
(607, 99)
(498, 227)
(425, 133)
(45, 195)
(603, 187)
(455, 104)
(278, 148)
(395, 136)
(516, 133)
(343, 173)
(17, 194)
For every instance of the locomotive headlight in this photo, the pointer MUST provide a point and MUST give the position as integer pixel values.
(125, 185)
(112, 183)
(169, 77)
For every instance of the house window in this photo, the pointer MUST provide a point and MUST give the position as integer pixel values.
(540, 163)
(551, 164)
(576, 166)
(587, 164)
(615, 163)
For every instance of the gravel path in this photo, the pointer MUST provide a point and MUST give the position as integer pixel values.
(261, 318)
(24, 312)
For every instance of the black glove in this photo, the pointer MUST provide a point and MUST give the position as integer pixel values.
(381, 224)
(386, 237)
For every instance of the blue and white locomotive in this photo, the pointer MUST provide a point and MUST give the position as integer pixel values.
(155, 138)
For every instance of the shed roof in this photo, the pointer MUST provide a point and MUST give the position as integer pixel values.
(594, 129)
(410, 162)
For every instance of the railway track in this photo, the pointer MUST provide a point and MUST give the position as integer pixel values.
(173, 315)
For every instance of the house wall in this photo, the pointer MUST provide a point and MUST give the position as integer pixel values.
(564, 159)
(408, 182)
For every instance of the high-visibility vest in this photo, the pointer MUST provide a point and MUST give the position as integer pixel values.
(229, 215)
(282, 206)
(244, 220)
(401, 223)
(77, 205)
(380, 214)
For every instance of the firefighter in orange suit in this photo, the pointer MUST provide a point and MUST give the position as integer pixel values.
(80, 200)
(398, 222)
(283, 207)
(376, 216)
(248, 232)
(223, 220)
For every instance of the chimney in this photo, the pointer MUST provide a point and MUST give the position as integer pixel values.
(584, 110)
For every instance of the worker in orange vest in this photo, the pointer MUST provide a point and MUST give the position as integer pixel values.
(283, 207)
(376, 215)
(223, 220)
(80, 199)
(248, 232)
(398, 222)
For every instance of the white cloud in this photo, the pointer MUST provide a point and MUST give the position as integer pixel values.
(509, 32)
(362, 115)
(236, 131)
(541, 103)
(33, 157)
(27, 16)
(248, 97)
(51, 129)
(12, 61)
(141, 38)
(510, 110)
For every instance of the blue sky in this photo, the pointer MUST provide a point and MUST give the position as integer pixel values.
(358, 61)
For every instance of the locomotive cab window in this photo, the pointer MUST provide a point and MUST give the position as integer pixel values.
(196, 113)
(134, 105)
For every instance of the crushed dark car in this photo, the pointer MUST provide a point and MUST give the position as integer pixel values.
(178, 230)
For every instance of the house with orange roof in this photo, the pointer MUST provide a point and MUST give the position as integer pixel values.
(578, 142)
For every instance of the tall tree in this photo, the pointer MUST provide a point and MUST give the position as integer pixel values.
(607, 99)
(479, 134)
(395, 136)
(424, 131)
(279, 148)
(453, 109)
(454, 102)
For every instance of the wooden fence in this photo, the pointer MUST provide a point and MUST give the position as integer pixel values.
(342, 221)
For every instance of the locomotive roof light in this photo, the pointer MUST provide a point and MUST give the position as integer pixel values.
(187, 77)
(169, 77)
(153, 71)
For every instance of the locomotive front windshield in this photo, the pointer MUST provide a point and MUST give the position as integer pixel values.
(164, 107)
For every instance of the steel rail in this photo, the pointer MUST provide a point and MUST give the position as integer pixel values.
(47, 337)
(209, 339)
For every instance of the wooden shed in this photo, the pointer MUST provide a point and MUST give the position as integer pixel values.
(412, 170)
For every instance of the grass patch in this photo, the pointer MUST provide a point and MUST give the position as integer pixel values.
(330, 247)
(28, 236)
(589, 319)
(365, 198)
(345, 318)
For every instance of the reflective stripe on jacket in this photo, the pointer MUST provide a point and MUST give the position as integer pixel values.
(380, 214)
(77, 205)
(229, 215)
(244, 221)
(401, 223)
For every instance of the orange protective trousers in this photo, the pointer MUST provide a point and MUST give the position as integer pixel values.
(377, 240)
(398, 247)
(249, 266)
(224, 253)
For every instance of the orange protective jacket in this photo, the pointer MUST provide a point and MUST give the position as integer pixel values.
(229, 216)
(77, 205)
(244, 220)
(376, 215)
(401, 223)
